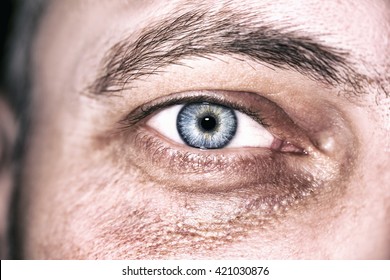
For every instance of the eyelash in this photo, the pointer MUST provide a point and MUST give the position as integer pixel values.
(148, 110)
(259, 176)
(270, 177)
(288, 136)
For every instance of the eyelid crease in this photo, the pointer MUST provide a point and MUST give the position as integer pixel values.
(145, 110)
(262, 110)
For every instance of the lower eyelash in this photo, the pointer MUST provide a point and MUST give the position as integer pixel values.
(263, 176)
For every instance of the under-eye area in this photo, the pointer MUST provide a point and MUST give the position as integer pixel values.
(195, 130)
(227, 145)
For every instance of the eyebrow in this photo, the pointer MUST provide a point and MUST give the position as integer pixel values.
(202, 33)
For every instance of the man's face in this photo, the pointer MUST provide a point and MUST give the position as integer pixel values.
(131, 155)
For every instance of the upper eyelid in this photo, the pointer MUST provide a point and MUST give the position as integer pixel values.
(147, 109)
(266, 112)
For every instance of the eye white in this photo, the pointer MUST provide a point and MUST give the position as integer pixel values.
(249, 133)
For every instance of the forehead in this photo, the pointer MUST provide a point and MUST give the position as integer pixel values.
(359, 22)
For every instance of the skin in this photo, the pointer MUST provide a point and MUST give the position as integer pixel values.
(91, 191)
(8, 134)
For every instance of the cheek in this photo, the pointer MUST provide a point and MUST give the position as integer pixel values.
(70, 215)
(87, 209)
(96, 212)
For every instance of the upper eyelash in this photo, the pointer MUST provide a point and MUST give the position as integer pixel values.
(146, 110)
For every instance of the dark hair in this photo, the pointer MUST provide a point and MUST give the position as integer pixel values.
(16, 68)
(17, 84)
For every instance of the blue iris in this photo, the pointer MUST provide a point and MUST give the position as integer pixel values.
(206, 126)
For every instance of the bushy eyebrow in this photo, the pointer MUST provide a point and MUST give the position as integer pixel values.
(201, 33)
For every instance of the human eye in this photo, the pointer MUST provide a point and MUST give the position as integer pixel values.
(211, 125)
(221, 141)
(207, 125)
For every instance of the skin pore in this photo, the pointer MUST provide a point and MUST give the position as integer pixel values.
(101, 182)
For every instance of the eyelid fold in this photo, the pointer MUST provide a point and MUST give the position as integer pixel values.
(260, 180)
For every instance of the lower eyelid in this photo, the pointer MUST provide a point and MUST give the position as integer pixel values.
(262, 182)
(255, 175)
(211, 171)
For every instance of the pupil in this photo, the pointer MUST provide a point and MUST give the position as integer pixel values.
(206, 126)
(208, 123)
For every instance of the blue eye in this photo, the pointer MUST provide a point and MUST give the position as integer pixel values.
(206, 126)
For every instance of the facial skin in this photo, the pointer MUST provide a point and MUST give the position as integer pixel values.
(101, 182)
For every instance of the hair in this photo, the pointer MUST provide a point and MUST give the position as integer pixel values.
(17, 84)
(16, 68)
